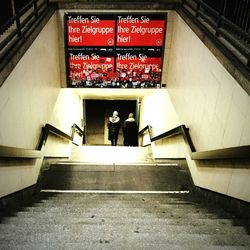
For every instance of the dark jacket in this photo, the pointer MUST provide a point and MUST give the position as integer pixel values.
(130, 132)
(113, 127)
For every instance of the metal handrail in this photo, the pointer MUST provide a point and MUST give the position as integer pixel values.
(235, 35)
(49, 129)
(241, 152)
(22, 27)
(14, 152)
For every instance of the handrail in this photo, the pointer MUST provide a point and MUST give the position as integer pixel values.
(148, 128)
(221, 27)
(24, 27)
(46, 130)
(76, 129)
(241, 152)
(14, 152)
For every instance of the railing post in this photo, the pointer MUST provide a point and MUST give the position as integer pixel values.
(248, 60)
(17, 20)
(18, 26)
(220, 20)
(198, 6)
(150, 131)
(35, 9)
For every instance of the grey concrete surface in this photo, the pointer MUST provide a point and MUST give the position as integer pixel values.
(122, 221)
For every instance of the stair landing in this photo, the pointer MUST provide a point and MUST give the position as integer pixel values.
(111, 154)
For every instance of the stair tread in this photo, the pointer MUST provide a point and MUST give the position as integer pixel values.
(105, 244)
(121, 227)
(146, 219)
(39, 214)
(116, 236)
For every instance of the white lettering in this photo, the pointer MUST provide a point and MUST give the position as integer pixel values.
(78, 19)
(128, 19)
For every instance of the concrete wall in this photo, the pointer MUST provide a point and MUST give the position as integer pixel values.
(205, 95)
(27, 99)
(215, 108)
(28, 96)
(67, 111)
(158, 111)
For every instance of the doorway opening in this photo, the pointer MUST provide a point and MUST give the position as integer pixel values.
(97, 113)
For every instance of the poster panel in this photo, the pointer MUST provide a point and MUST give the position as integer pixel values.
(90, 30)
(114, 50)
(91, 67)
(140, 30)
(139, 67)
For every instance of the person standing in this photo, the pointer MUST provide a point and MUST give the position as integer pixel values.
(130, 131)
(113, 128)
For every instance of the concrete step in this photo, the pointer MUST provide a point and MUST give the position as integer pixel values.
(115, 196)
(189, 207)
(133, 206)
(134, 214)
(105, 244)
(94, 218)
(8, 229)
(115, 177)
(152, 200)
(122, 221)
(117, 237)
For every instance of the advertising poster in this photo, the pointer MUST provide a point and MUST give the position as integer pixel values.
(115, 51)
(139, 67)
(91, 67)
(90, 30)
(140, 30)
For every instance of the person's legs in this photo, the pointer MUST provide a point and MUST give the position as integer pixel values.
(114, 142)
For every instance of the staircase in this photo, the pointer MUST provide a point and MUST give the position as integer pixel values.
(119, 205)
(121, 221)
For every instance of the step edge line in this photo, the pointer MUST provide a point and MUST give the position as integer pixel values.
(114, 191)
(115, 163)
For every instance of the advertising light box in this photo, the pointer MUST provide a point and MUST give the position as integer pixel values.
(90, 30)
(140, 30)
(91, 67)
(139, 68)
(120, 51)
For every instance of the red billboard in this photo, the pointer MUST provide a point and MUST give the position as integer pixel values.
(90, 68)
(139, 67)
(139, 31)
(90, 30)
(114, 50)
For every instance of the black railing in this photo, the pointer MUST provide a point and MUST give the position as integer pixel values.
(236, 11)
(241, 152)
(49, 129)
(228, 21)
(13, 152)
(17, 29)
